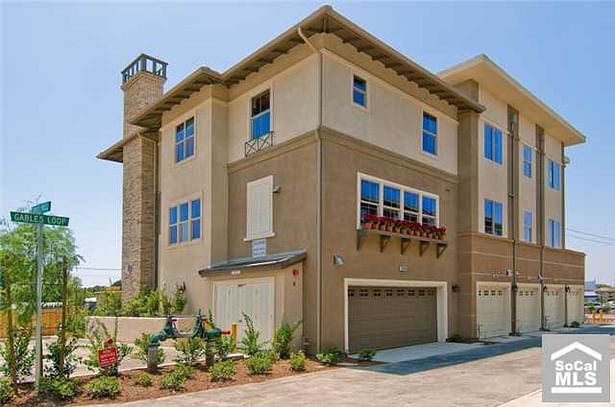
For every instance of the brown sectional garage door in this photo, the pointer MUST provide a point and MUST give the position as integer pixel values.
(389, 317)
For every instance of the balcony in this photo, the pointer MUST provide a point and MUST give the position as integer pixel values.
(257, 144)
(406, 232)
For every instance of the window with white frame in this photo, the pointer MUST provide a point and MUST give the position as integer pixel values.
(359, 91)
(493, 143)
(382, 198)
(430, 134)
(527, 226)
(184, 140)
(527, 160)
(494, 217)
(554, 237)
(259, 206)
(261, 115)
(185, 222)
(554, 174)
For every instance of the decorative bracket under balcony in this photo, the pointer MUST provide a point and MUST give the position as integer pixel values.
(405, 241)
(257, 144)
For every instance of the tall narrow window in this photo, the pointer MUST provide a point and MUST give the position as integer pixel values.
(359, 91)
(261, 114)
(411, 207)
(184, 140)
(554, 234)
(527, 226)
(493, 144)
(185, 222)
(430, 134)
(370, 198)
(493, 217)
(527, 161)
(554, 175)
(259, 208)
(429, 211)
(391, 202)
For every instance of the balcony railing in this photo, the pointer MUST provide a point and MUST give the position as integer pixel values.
(257, 144)
(145, 63)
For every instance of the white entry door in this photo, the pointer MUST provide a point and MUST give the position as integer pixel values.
(492, 310)
(554, 307)
(528, 308)
(254, 297)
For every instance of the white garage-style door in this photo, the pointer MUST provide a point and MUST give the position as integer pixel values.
(254, 297)
(575, 305)
(554, 306)
(528, 308)
(492, 310)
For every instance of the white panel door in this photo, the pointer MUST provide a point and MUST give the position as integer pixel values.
(492, 310)
(252, 297)
(575, 305)
(554, 307)
(528, 308)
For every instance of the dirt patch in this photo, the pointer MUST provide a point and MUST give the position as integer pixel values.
(131, 391)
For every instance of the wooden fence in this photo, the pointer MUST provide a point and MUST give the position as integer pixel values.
(51, 319)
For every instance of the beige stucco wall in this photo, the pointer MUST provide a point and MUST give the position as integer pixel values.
(553, 198)
(527, 186)
(392, 119)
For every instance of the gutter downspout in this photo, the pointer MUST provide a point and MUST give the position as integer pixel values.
(318, 195)
(540, 164)
(513, 210)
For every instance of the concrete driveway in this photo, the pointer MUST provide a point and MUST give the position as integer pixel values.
(497, 374)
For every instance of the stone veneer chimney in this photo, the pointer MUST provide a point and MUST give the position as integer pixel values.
(142, 82)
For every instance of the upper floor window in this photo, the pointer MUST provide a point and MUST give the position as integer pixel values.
(184, 140)
(359, 91)
(185, 222)
(527, 161)
(554, 236)
(554, 175)
(493, 144)
(527, 226)
(430, 134)
(261, 114)
(393, 201)
(493, 217)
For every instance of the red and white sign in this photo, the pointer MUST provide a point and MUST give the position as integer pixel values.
(107, 357)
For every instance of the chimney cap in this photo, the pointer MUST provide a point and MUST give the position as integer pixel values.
(144, 63)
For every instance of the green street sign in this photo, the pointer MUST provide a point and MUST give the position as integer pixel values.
(24, 217)
(41, 208)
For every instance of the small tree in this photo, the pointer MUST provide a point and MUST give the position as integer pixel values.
(23, 354)
(283, 337)
(250, 344)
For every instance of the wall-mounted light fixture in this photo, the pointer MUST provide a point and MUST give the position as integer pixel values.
(338, 260)
(276, 189)
(455, 288)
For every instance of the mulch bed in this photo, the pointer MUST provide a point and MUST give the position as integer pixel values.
(131, 392)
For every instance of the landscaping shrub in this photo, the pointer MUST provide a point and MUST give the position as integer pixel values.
(144, 380)
(224, 346)
(24, 355)
(58, 388)
(103, 387)
(249, 344)
(97, 338)
(222, 371)
(190, 351)
(142, 346)
(297, 361)
(156, 303)
(367, 354)
(575, 324)
(331, 356)
(259, 364)
(173, 381)
(70, 358)
(283, 337)
(185, 371)
(6, 391)
(179, 300)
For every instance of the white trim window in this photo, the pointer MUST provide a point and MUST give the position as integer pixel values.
(527, 226)
(260, 115)
(493, 143)
(184, 140)
(527, 160)
(430, 134)
(388, 199)
(259, 206)
(494, 217)
(359, 91)
(185, 222)
(554, 175)
(554, 238)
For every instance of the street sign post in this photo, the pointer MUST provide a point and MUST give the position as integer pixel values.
(37, 216)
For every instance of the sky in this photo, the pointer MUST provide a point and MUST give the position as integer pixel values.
(62, 104)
